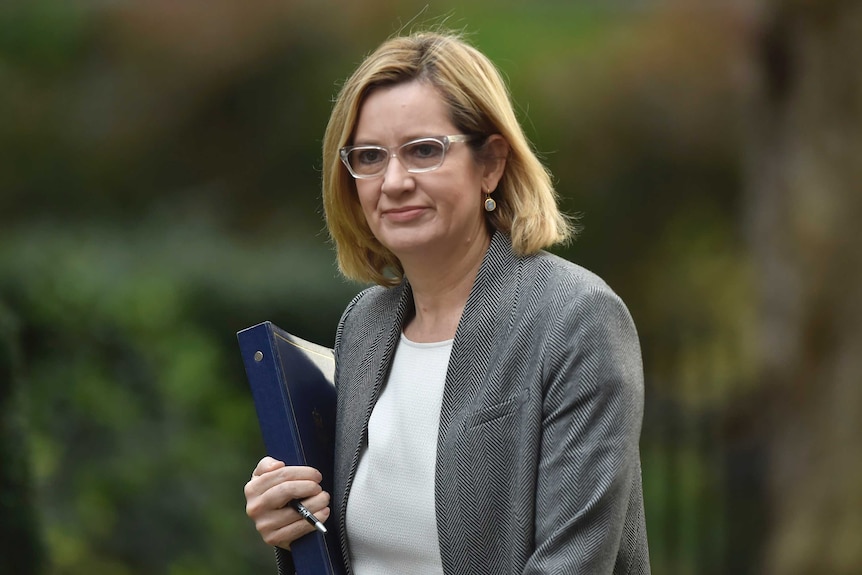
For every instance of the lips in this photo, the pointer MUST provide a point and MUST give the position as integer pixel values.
(404, 214)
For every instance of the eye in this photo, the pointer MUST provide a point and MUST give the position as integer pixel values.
(424, 150)
(369, 156)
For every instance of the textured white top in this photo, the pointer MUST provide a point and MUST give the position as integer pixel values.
(391, 522)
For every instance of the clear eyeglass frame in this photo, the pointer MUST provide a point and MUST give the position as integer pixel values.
(443, 141)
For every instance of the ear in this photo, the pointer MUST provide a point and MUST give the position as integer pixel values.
(496, 152)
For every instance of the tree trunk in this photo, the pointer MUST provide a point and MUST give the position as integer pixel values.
(804, 213)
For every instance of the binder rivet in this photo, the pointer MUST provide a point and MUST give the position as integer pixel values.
(258, 355)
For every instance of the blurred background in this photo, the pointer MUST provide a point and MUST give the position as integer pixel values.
(159, 191)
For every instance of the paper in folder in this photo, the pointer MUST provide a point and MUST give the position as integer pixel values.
(291, 382)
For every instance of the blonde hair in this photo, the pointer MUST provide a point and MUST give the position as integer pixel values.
(479, 104)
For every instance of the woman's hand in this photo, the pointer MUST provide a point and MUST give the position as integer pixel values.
(271, 487)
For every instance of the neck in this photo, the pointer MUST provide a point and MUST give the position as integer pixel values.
(441, 288)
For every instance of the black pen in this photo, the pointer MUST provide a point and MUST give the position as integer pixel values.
(308, 515)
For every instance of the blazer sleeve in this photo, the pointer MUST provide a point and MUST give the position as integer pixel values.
(284, 561)
(589, 503)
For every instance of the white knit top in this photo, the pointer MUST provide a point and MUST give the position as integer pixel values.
(391, 523)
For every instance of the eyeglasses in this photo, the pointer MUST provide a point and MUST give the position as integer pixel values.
(417, 156)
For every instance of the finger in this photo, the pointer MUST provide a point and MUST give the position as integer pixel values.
(275, 489)
(264, 496)
(274, 519)
(299, 472)
(284, 535)
(287, 472)
(283, 493)
(288, 513)
(264, 481)
(266, 465)
(317, 502)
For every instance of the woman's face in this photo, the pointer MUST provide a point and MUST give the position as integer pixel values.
(426, 214)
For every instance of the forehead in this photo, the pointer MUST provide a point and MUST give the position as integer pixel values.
(395, 113)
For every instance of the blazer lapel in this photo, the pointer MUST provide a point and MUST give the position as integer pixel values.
(362, 387)
(484, 320)
(479, 339)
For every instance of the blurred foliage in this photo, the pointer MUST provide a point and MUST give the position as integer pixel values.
(19, 529)
(159, 190)
(141, 428)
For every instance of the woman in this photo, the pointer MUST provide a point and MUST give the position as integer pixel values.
(490, 394)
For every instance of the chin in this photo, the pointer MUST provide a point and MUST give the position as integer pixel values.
(406, 238)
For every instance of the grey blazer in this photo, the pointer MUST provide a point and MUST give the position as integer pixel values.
(538, 466)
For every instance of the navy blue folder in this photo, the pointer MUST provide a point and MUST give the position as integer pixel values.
(291, 382)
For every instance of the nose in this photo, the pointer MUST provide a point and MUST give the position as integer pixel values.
(396, 178)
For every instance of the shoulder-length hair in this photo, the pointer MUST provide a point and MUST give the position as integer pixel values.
(479, 104)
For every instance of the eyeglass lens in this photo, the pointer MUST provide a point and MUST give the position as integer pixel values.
(419, 156)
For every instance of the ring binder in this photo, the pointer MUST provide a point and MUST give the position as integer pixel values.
(292, 384)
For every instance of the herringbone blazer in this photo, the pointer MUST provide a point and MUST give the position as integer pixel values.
(538, 465)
